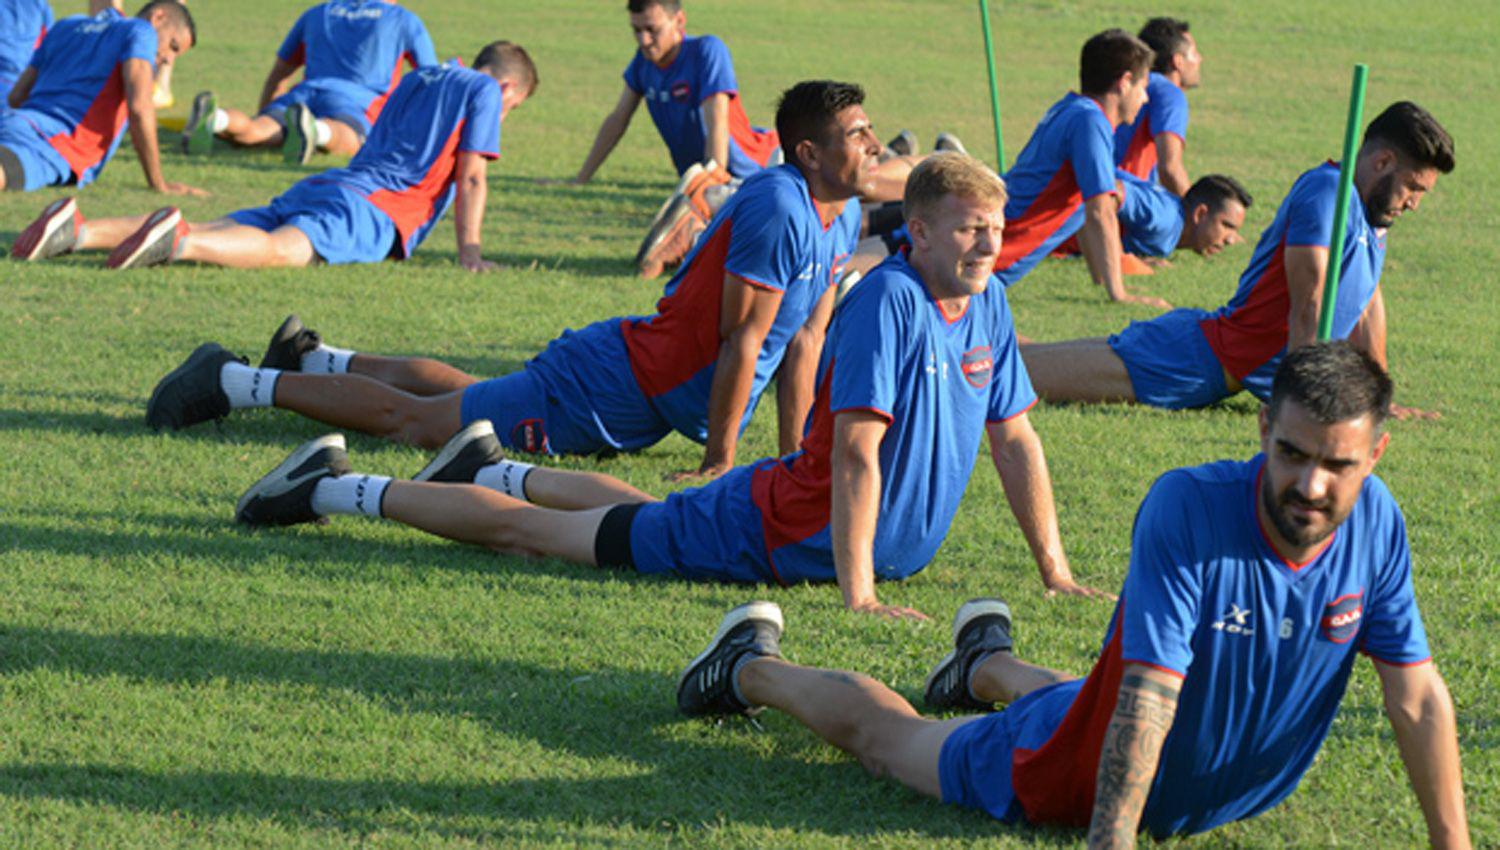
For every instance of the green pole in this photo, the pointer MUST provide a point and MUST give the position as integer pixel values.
(989, 55)
(1341, 202)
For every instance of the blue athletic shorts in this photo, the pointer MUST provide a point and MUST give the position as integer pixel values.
(325, 102)
(708, 533)
(578, 396)
(1169, 361)
(975, 762)
(342, 226)
(40, 164)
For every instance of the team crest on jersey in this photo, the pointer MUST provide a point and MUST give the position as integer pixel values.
(529, 435)
(1341, 617)
(977, 366)
(682, 92)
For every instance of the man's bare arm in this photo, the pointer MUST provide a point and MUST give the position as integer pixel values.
(745, 317)
(1017, 453)
(1170, 168)
(610, 131)
(854, 510)
(795, 381)
(22, 89)
(281, 71)
(142, 111)
(1100, 242)
(1143, 716)
(1306, 266)
(1421, 714)
(716, 128)
(470, 190)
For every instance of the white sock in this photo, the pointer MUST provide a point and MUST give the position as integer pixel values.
(507, 476)
(219, 122)
(324, 133)
(326, 360)
(356, 495)
(247, 386)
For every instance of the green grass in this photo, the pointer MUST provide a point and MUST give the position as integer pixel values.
(167, 679)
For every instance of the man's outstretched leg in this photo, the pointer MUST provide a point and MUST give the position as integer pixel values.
(317, 480)
(742, 671)
(1080, 370)
(982, 669)
(295, 348)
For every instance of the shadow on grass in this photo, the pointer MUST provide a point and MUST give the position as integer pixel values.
(606, 714)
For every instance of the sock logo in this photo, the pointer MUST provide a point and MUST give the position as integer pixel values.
(359, 494)
(255, 386)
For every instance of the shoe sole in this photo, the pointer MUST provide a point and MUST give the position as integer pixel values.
(846, 283)
(678, 206)
(267, 486)
(299, 148)
(759, 610)
(654, 255)
(961, 618)
(681, 189)
(455, 446)
(37, 234)
(202, 112)
(129, 252)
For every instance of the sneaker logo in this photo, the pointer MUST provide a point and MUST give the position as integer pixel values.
(360, 490)
(1341, 617)
(1236, 622)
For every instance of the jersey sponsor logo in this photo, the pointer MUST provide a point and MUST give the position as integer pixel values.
(682, 92)
(1236, 622)
(1341, 617)
(977, 365)
(530, 435)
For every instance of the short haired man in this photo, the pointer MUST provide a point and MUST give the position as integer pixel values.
(1151, 146)
(1064, 180)
(352, 52)
(428, 152)
(752, 301)
(23, 25)
(71, 104)
(1221, 671)
(689, 87)
(921, 361)
(1192, 358)
(1154, 222)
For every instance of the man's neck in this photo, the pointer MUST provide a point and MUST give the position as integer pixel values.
(1109, 104)
(828, 200)
(952, 305)
(667, 60)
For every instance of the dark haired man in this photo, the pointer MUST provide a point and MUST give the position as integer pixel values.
(86, 78)
(752, 300)
(1192, 358)
(1154, 222)
(352, 52)
(1064, 180)
(428, 152)
(1233, 640)
(1151, 146)
(921, 362)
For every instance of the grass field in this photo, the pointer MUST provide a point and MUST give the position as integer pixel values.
(170, 680)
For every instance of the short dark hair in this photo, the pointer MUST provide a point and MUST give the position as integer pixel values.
(1216, 190)
(176, 11)
(1167, 37)
(1332, 381)
(1108, 55)
(671, 7)
(1412, 132)
(808, 110)
(508, 59)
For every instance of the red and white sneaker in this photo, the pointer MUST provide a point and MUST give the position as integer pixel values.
(157, 241)
(54, 233)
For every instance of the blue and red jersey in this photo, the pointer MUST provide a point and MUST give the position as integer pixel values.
(406, 166)
(77, 103)
(674, 96)
(1264, 648)
(936, 380)
(23, 25)
(1151, 218)
(772, 234)
(357, 47)
(1166, 111)
(1069, 159)
(1248, 334)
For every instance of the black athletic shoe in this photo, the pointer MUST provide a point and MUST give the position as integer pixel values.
(705, 687)
(191, 393)
(465, 453)
(284, 495)
(949, 142)
(288, 344)
(980, 627)
(904, 144)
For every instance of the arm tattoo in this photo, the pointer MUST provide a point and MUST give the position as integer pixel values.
(1127, 764)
